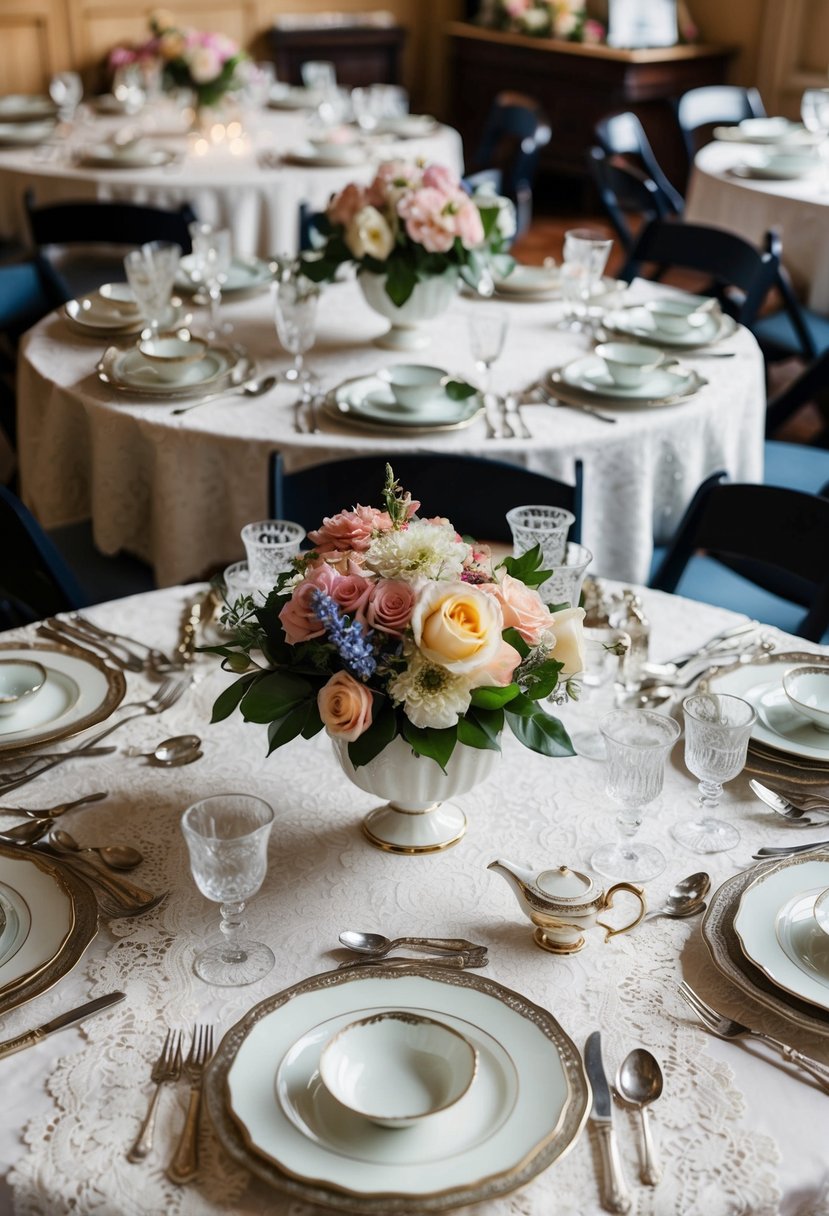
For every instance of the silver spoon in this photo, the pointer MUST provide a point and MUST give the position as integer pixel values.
(252, 388)
(26, 833)
(638, 1083)
(787, 810)
(377, 945)
(52, 812)
(116, 856)
(170, 753)
(687, 898)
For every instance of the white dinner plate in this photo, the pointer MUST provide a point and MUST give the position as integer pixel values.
(129, 372)
(529, 282)
(638, 322)
(331, 158)
(24, 107)
(264, 1098)
(756, 681)
(107, 156)
(781, 130)
(80, 691)
(801, 938)
(367, 401)
(757, 919)
(778, 172)
(408, 126)
(589, 375)
(25, 134)
(244, 275)
(17, 921)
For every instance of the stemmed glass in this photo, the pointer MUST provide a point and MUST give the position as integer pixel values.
(150, 272)
(66, 91)
(295, 314)
(717, 730)
(227, 838)
(211, 266)
(637, 742)
(814, 110)
(487, 331)
(584, 259)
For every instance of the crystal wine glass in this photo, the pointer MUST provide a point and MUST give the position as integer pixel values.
(717, 730)
(814, 110)
(66, 91)
(295, 314)
(211, 266)
(227, 838)
(487, 329)
(584, 259)
(150, 273)
(637, 743)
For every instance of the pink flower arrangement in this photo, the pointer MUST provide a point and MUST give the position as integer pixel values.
(202, 61)
(411, 222)
(565, 19)
(395, 624)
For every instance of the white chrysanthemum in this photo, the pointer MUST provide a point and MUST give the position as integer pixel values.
(421, 550)
(431, 696)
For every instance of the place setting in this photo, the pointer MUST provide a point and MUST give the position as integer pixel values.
(624, 374)
(683, 322)
(784, 162)
(127, 154)
(408, 398)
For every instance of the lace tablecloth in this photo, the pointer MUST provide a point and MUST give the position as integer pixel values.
(737, 1133)
(176, 490)
(749, 207)
(253, 193)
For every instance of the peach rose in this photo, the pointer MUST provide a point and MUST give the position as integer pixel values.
(522, 608)
(569, 647)
(499, 670)
(351, 592)
(457, 627)
(345, 205)
(349, 530)
(345, 707)
(390, 606)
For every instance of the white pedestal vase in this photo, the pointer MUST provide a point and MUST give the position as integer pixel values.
(430, 298)
(417, 818)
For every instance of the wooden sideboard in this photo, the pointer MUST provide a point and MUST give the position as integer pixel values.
(362, 54)
(577, 85)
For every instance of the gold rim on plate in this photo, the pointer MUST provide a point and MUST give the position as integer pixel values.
(341, 411)
(559, 388)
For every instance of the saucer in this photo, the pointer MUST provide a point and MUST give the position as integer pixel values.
(638, 322)
(590, 375)
(408, 126)
(94, 316)
(24, 107)
(529, 282)
(331, 158)
(105, 156)
(57, 696)
(367, 401)
(129, 372)
(762, 170)
(801, 938)
(25, 134)
(760, 131)
(786, 725)
(244, 275)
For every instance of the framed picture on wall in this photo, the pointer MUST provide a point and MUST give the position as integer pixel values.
(642, 23)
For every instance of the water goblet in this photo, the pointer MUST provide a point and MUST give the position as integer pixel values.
(150, 272)
(814, 110)
(487, 329)
(565, 581)
(541, 525)
(270, 545)
(637, 743)
(584, 259)
(227, 838)
(66, 91)
(295, 315)
(596, 691)
(211, 266)
(717, 730)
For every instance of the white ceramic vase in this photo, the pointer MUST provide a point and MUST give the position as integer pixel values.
(417, 818)
(430, 298)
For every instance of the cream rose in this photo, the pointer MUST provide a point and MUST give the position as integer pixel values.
(368, 235)
(456, 626)
(569, 647)
(345, 707)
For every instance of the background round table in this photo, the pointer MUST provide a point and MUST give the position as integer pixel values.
(749, 207)
(176, 489)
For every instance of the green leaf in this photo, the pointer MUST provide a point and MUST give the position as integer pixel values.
(283, 730)
(494, 698)
(459, 390)
(537, 730)
(541, 680)
(527, 567)
(513, 638)
(227, 700)
(313, 725)
(437, 745)
(400, 281)
(273, 695)
(481, 728)
(381, 732)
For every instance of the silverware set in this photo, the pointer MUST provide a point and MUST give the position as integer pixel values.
(114, 647)
(797, 808)
(169, 1068)
(373, 949)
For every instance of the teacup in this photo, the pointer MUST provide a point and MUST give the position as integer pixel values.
(172, 354)
(413, 385)
(398, 1067)
(629, 365)
(808, 691)
(20, 681)
(677, 317)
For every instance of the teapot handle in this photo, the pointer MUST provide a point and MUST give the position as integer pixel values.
(608, 900)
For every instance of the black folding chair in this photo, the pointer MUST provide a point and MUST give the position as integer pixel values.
(623, 135)
(35, 582)
(515, 131)
(711, 105)
(623, 191)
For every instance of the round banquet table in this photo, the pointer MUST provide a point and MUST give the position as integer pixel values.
(254, 193)
(749, 207)
(175, 490)
(737, 1130)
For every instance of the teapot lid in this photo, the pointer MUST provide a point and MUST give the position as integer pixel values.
(564, 883)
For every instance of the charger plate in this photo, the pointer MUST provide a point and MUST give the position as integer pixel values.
(52, 916)
(524, 1111)
(723, 944)
(80, 691)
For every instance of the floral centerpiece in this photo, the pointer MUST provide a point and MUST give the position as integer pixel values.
(564, 19)
(205, 62)
(412, 223)
(395, 629)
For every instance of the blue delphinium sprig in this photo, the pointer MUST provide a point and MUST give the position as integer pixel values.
(352, 642)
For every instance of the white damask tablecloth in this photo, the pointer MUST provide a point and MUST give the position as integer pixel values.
(738, 1132)
(176, 490)
(749, 207)
(250, 192)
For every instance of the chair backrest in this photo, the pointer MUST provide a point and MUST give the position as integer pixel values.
(35, 582)
(514, 133)
(712, 104)
(28, 291)
(623, 135)
(774, 536)
(624, 190)
(810, 384)
(473, 492)
(729, 260)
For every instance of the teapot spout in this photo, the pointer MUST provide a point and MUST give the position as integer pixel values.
(519, 878)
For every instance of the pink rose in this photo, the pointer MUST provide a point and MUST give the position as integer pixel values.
(440, 177)
(345, 707)
(349, 530)
(428, 222)
(499, 670)
(390, 606)
(299, 620)
(351, 592)
(392, 177)
(345, 205)
(522, 608)
(468, 224)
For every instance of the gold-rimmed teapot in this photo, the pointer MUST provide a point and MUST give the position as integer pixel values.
(562, 903)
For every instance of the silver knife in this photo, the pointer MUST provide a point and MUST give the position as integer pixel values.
(30, 1037)
(615, 1197)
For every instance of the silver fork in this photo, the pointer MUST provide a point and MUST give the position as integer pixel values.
(795, 812)
(167, 694)
(726, 1028)
(166, 1068)
(185, 1162)
(155, 658)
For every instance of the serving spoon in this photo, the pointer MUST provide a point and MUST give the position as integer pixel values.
(170, 753)
(116, 856)
(687, 898)
(638, 1083)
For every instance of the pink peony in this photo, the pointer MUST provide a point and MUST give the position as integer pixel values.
(345, 707)
(390, 606)
(468, 224)
(441, 178)
(391, 179)
(522, 608)
(349, 530)
(427, 219)
(345, 205)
